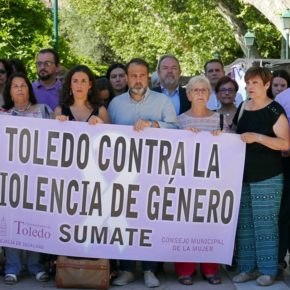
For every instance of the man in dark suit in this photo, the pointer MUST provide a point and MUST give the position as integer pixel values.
(168, 70)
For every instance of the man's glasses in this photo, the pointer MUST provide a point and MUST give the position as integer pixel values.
(224, 90)
(44, 63)
(2, 71)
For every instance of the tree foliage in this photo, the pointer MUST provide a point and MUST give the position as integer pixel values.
(151, 28)
(267, 36)
(193, 30)
(25, 27)
(98, 33)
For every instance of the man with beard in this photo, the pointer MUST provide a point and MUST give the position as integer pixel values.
(169, 71)
(47, 87)
(140, 107)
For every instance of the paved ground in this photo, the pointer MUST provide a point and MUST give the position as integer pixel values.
(168, 282)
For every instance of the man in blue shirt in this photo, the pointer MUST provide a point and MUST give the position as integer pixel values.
(214, 71)
(140, 107)
(169, 72)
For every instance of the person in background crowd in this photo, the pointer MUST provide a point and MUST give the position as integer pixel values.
(169, 72)
(2, 258)
(117, 75)
(79, 101)
(281, 92)
(154, 80)
(280, 82)
(140, 107)
(61, 72)
(264, 128)
(214, 71)
(17, 65)
(168, 76)
(226, 90)
(104, 90)
(47, 87)
(199, 118)
(5, 71)
(20, 101)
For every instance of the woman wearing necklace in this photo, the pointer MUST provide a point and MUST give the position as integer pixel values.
(20, 101)
(226, 90)
(264, 128)
(79, 100)
(200, 118)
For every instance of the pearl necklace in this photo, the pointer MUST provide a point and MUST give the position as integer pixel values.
(22, 110)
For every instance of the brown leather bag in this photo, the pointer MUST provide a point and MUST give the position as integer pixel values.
(82, 273)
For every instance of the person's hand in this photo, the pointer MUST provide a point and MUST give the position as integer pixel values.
(61, 118)
(250, 138)
(141, 124)
(216, 132)
(93, 120)
(192, 129)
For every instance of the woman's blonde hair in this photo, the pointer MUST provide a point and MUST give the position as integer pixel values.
(195, 80)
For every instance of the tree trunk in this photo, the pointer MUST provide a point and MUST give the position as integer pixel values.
(271, 9)
(228, 12)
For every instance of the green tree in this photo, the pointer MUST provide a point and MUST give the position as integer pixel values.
(241, 17)
(84, 40)
(193, 30)
(130, 28)
(26, 26)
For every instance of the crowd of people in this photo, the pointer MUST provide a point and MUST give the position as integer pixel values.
(210, 102)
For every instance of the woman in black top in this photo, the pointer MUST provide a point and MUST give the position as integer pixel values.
(79, 101)
(264, 127)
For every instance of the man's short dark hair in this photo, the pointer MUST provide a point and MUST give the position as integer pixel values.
(212, 61)
(138, 61)
(53, 52)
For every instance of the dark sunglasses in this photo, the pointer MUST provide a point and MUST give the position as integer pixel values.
(2, 71)
(224, 90)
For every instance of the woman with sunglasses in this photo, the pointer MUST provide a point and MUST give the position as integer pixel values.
(226, 90)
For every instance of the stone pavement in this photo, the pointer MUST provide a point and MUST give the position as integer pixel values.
(168, 282)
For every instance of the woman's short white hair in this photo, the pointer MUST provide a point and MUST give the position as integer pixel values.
(198, 79)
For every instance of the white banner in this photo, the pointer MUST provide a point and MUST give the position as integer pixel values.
(107, 191)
